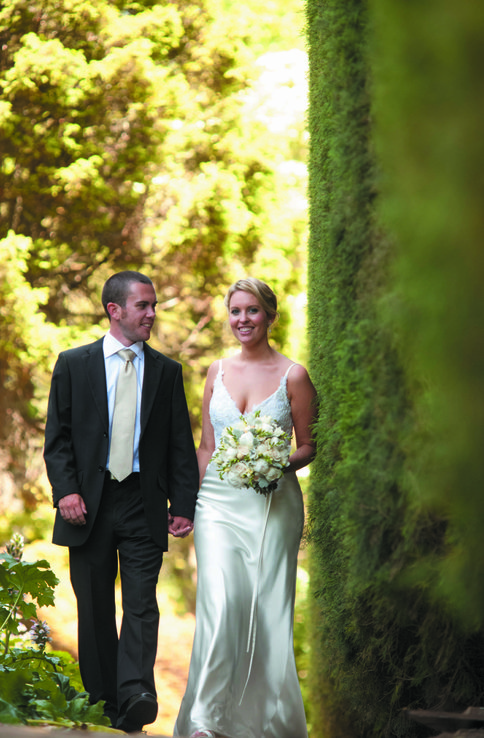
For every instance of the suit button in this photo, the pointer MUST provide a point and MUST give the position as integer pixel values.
(105, 435)
(100, 468)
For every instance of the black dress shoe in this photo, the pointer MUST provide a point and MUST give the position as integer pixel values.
(139, 710)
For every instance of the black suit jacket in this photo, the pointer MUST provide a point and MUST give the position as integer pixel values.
(77, 440)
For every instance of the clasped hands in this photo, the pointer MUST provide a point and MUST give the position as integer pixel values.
(178, 526)
(73, 510)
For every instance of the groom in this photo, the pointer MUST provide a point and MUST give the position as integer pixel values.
(122, 465)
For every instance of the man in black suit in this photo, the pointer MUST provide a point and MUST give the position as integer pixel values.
(103, 516)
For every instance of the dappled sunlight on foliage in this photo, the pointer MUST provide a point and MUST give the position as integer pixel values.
(132, 139)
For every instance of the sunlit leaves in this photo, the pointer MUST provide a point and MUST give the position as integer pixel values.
(36, 686)
(129, 142)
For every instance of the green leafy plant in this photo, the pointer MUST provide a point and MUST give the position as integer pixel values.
(36, 687)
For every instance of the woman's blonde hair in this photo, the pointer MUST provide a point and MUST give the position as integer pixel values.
(260, 290)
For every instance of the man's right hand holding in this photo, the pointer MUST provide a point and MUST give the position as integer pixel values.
(73, 509)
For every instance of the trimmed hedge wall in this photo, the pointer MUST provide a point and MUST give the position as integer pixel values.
(429, 109)
(387, 514)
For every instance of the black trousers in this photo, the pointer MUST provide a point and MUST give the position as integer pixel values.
(114, 668)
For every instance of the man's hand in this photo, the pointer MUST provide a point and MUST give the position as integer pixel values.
(73, 509)
(178, 526)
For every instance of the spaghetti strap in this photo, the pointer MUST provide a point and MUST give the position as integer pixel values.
(289, 369)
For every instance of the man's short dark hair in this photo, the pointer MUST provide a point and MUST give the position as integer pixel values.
(116, 288)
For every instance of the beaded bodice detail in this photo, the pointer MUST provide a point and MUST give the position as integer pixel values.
(224, 411)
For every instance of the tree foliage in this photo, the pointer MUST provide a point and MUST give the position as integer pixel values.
(138, 135)
(24, 352)
(107, 106)
(78, 133)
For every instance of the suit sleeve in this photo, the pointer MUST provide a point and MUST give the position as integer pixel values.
(58, 448)
(183, 466)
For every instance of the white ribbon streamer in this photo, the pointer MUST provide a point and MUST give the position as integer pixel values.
(253, 608)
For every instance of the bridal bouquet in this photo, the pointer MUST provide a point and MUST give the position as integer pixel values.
(253, 453)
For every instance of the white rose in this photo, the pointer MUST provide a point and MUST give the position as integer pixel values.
(236, 474)
(243, 452)
(280, 455)
(246, 439)
(272, 453)
(273, 474)
(261, 467)
(246, 443)
(264, 448)
(266, 427)
(229, 454)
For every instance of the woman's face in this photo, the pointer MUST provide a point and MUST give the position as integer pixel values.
(248, 320)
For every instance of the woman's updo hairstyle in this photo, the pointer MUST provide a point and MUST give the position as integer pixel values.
(260, 290)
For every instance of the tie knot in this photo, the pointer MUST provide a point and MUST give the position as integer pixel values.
(127, 354)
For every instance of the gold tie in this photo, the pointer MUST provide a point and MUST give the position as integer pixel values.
(124, 416)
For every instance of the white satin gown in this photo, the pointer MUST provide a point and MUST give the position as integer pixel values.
(242, 681)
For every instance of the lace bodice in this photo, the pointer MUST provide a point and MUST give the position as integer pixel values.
(224, 411)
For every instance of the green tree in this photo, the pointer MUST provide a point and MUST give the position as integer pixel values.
(133, 138)
(84, 88)
(24, 352)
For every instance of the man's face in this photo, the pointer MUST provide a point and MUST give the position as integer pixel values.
(134, 321)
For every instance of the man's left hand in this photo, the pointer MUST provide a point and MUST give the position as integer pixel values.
(178, 526)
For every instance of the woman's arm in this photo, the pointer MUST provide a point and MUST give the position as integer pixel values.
(302, 396)
(207, 441)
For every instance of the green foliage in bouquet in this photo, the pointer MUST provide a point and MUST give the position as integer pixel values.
(36, 687)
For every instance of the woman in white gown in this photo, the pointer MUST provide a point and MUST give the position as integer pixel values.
(243, 681)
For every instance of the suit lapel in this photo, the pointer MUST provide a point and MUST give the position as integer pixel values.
(96, 377)
(151, 381)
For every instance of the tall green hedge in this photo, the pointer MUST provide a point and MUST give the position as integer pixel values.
(383, 636)
(429, 113)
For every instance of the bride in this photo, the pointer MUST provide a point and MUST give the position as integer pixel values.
(243, 681)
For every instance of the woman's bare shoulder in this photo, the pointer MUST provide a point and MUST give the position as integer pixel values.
(297, 371)
(298, 378)
(212, 372)
(214, 367)
(294, 370)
